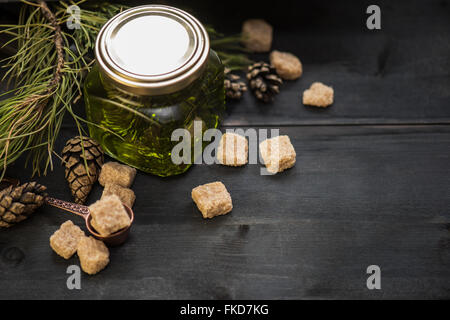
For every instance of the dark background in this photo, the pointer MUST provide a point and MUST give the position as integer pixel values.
(371, 184)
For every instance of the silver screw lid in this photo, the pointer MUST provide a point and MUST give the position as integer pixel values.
(152, 49)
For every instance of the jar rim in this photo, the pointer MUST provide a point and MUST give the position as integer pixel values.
(177, 56)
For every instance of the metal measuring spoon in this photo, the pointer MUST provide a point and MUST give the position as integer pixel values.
(115, 239)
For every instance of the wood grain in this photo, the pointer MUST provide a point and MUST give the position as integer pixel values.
(357, 196)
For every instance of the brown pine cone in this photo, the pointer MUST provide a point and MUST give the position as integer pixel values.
(234, 87)
(18, 203)
(264, 81)
(80, 182)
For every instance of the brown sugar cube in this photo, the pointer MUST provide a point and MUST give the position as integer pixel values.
(318, 95)
(93, 254)
(114, 172)
(212, 199)
(257, 35)
(109, 215)
(125, 195)
(233, 150)
(65, 240)
(288, 66)
(278, 153)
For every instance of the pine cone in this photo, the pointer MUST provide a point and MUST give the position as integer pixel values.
(264, 81)
(18, 203)
(234, 88)
(80, 182)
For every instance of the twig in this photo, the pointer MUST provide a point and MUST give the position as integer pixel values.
(58, 44)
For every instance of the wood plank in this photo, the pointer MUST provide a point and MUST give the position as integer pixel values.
(359, 99)
(357, 196)
(387, 77)
(397, 75)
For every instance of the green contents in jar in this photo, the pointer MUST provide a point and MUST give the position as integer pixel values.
(134, 125)
(141, 126)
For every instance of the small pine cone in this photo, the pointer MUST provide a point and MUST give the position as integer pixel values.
(234, 87)
(264, 81)
(18, 203)
(80, 182)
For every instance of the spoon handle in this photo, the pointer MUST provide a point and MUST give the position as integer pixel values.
(78, 209)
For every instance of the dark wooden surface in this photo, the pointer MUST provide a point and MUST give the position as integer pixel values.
(371, 184)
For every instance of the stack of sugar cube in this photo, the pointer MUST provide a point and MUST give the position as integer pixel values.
(70, 239)
(108, 215)
(117, 179)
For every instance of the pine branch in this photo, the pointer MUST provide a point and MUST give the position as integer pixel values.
(229, 50)
(47, 77)
(47, 73)
(58, 45)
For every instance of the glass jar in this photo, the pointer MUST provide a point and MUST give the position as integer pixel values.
(154, 73)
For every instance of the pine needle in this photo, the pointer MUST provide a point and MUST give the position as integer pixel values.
(47, 77)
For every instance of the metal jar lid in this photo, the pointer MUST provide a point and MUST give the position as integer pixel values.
(152, 49)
